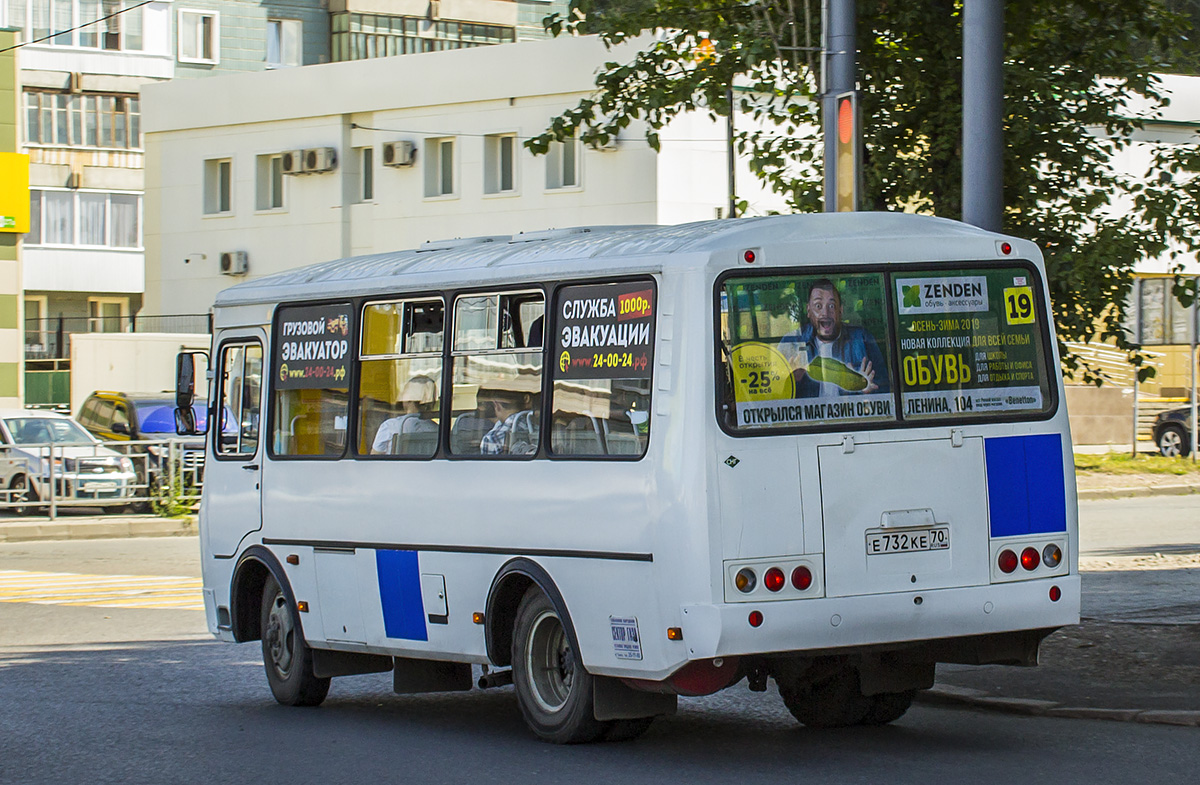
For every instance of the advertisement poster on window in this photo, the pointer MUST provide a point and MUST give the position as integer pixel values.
(605, 331)
(970, 343)
(312, 347)
(808, 349)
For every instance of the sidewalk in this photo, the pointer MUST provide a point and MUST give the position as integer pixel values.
(84, 524)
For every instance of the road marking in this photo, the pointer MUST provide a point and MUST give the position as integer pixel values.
(101, 591)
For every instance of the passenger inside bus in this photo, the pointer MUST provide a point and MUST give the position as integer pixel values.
(515, 403)
(418, 400)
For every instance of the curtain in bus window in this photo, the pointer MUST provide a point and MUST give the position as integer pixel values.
(603, 356)
(311, 364)
(805, 349)
(497, 374)
(399, 405)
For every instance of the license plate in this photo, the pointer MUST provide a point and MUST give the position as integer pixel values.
(935, 538)
(102, 485)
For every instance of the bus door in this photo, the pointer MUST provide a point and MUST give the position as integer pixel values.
(233, 506)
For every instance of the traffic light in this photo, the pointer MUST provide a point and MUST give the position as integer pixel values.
(846, 155)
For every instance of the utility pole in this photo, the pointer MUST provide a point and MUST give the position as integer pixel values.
(837, 101)
(983, 108)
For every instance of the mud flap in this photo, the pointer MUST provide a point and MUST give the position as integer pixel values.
(613, 700)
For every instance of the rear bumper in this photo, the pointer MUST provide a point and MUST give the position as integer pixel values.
(842, 622)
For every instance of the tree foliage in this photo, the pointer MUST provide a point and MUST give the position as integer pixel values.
(1079, 84)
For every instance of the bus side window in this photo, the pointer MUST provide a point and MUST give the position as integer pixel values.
(399, 398)
(497, 374)
(603, 355)
(312, 356)
(241, 379)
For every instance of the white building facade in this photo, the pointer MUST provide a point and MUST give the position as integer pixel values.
(399, 151)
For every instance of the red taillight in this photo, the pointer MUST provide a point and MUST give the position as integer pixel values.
(749, 256)
(1005, 249)
(1055, 594)
(1007, 561)
(774, 579)
(756, 618)
(802, 577)
(1030, 559)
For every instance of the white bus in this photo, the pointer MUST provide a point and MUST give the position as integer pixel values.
(615, 465)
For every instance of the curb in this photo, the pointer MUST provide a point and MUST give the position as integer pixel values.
(1183, 489)
(948, 695)
(93, 529)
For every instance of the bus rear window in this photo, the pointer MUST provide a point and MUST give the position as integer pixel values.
(970, 343)
(830, 349)
(806, 350)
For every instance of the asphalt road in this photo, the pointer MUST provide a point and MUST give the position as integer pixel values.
(103, 695)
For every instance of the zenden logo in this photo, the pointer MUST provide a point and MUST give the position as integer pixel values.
(960, 294)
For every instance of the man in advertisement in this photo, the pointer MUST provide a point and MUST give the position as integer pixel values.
(828, 357)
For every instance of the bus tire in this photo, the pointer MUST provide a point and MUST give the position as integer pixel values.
(888, 707)
(554, 692)
(835, 702)
(286, 657)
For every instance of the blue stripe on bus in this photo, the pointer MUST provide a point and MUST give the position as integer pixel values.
(1026, 491)
(400, 595)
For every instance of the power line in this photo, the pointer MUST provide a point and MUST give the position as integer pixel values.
(77, 27)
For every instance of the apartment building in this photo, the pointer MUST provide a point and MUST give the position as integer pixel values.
(259, 173)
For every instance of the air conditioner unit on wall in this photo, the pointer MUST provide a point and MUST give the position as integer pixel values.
(399, 153)
(235, 263)
(319, 159)
(293, 162)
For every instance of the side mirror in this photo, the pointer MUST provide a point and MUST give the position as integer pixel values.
(121, 428)
(185, 380)
(185, 422)
(185, 394)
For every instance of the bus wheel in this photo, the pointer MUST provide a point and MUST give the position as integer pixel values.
(287, 658)
(888, 707)
(553, 690)
(835, 702)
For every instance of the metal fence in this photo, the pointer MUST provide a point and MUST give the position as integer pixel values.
(163, 476)
(50, 339)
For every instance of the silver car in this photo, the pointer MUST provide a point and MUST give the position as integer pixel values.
(83, 468)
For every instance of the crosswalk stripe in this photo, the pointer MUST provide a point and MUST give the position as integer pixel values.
(101, 591)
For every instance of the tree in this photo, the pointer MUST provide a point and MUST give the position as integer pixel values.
(1074, 71)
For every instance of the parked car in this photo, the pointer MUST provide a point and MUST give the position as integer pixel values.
(83, 467)
(1173, 432)
(133, 417)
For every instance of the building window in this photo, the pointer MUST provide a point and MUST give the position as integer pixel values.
(218, 186)
(439, 167)
(85, 218)
(270, 182)
(499, 162)
(107, 314)
(121, 31)
(37, 323)
(199, 36)
(364, 36)
(562, 164)
(89, 120)
(284, 40)
(366, 174)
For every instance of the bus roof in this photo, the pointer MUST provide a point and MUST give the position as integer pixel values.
(567, 253)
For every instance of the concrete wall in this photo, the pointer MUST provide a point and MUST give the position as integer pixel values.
(128, 362)
(1100, 415)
